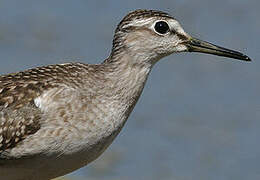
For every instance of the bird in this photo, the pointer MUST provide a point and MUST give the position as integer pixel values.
(57, 118)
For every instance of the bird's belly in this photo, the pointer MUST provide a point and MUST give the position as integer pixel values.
(51, 166)
(73, 155)
(70, 162)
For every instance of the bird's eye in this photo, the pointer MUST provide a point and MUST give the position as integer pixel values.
(161, 27)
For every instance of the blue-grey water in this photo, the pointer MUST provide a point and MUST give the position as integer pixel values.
(199, 115)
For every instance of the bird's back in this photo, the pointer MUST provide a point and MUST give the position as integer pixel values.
(61, 117)
(43, 113)
(19, 115)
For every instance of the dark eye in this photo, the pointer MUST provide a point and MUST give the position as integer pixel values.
(161, 27)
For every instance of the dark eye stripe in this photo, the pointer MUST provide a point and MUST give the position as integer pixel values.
(181, 36)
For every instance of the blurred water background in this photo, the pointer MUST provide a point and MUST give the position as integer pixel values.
(199, 115)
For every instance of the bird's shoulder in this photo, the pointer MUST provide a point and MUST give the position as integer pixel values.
(20, 92)
(18, 89)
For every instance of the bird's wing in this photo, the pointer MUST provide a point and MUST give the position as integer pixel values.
(17, 124)
(19, 115)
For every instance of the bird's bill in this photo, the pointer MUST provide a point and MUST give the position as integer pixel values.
(196, 45)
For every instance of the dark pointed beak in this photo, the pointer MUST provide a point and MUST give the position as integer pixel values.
(196, 45)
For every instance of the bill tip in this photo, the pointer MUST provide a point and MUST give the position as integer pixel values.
(247, 58)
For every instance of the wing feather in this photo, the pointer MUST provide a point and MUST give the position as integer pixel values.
(19, 115)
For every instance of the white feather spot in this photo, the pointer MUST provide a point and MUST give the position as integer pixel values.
(38, 102)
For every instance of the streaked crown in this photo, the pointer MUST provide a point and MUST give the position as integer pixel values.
(148, 35)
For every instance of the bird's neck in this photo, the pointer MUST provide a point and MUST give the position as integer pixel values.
(127, 79)
(112, 90)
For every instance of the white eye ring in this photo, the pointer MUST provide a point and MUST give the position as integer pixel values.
(161, 27)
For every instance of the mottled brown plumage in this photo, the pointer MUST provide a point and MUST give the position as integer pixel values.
(58, 118)
(19, 117)
(17, 124)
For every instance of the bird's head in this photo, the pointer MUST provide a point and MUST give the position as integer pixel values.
(149, 35)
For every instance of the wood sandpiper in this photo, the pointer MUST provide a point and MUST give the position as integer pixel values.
(58, 118)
